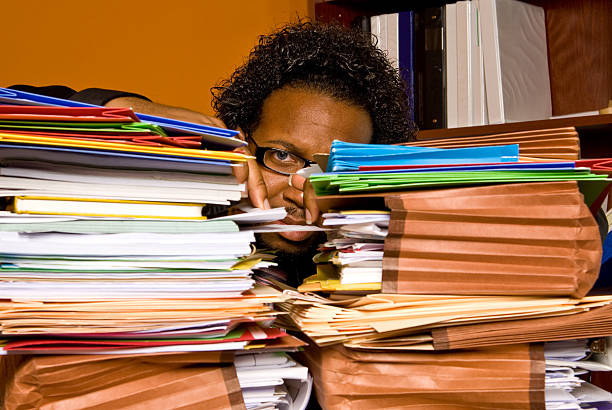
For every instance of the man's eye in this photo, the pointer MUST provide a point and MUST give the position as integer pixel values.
(282, 161)
(283, 156)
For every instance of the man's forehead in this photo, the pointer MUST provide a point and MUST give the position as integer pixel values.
(306, 121)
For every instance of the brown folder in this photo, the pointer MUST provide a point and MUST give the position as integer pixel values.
(555, 143)
(597, 322)
(512, 239)
(187, 381)
(506, 377)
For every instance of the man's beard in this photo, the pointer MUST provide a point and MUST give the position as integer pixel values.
(297, 265)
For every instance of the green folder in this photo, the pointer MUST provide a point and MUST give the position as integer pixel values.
(332, 184)
(84, 127)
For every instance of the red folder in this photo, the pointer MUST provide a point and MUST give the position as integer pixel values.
(50, 345)
(85, 114)
(183, 141)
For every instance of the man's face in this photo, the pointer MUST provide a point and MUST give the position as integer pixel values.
(303, 122)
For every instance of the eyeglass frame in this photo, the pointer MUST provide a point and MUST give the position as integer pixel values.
(260, 153)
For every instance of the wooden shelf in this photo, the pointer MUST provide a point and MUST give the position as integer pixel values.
(585, 123)
(579, 34)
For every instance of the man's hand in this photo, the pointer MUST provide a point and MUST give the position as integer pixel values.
(310, 203)
(299, 190)
(250, 174)
(168, 111)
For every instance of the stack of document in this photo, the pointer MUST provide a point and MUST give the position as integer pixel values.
(104, 246)
(394, 318)
(511, 376)
(352, 258)
(568, 364)
(272, 381)
(504, 239)
(105, 162)
(164, 285)
(502, 254)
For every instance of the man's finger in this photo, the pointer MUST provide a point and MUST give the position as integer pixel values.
(297, 181)
(310, 204)
(256, 186)
(241, 172)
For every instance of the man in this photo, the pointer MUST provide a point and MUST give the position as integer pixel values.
(302, 87)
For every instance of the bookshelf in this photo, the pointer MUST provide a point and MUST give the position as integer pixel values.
(580, 64)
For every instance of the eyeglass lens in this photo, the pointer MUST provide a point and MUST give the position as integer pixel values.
(283, 161)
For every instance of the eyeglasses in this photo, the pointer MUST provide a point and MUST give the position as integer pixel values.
(280, 161)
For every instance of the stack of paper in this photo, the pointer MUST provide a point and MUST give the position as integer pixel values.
(104, 244)
(491, 240)
(144, 291)
(272, 381)
(568, 364)
(504, 257)
(351, 260)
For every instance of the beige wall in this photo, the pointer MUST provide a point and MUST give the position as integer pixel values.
(172, 51)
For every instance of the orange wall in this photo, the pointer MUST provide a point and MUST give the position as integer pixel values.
(172, 51)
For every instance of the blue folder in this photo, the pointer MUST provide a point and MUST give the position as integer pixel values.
(480, 167)
(350, 156)
(220, 137)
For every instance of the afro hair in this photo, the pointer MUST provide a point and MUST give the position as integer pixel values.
(342, 63)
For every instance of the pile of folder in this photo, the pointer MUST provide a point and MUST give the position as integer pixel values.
(101, 161)
(518, 376)
(491, 245)
(361, 168)
(106, 251)
(408, 321)
(531, 235)
(83, 267)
